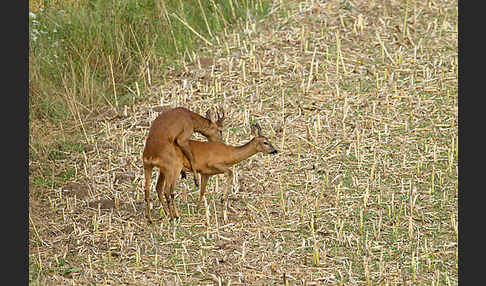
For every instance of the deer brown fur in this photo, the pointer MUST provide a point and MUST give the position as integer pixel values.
(210, 158)
(173, 128)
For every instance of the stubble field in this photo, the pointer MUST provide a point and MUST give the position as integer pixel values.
(360, 99)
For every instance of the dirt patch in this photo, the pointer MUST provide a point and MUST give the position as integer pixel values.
(79, 190)
(103, 204)
(68, 229)
(125, 177)
(203, 62)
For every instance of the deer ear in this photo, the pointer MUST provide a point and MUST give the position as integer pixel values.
(211, 116)
(254, 130)
(220, 118)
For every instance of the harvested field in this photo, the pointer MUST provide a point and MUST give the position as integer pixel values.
(360, 99)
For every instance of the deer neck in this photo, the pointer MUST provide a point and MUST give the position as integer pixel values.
(244, 152)
(200, 123)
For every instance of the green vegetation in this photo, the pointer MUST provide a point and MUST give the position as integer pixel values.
(87, 55)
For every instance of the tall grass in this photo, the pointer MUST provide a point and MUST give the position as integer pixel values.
(78, 52)
(88, 54)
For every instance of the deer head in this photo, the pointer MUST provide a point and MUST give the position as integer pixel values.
(214, 132)
(262, 142)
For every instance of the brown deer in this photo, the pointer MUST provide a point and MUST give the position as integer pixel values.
(173, 128)
(210, 158)
(177, 125)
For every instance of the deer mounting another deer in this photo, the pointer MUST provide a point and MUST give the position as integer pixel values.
(173, 128)
(210, 158)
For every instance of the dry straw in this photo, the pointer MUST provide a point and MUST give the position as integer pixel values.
(363, 190)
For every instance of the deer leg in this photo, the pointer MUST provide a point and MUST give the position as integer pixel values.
(229, 187)
(170, 181)
(160, 184)
(168, 200)
(169, 213)
(184, 145)
(148, 175)
(229, 177)
(226, 204)
(175, 175)
(174, 206)
(167, 196)
(204, 182)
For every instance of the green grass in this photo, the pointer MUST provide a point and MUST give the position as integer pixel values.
(87, 56)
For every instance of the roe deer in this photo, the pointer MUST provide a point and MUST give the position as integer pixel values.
(173, 128)
(210, 158)
(177, 125)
